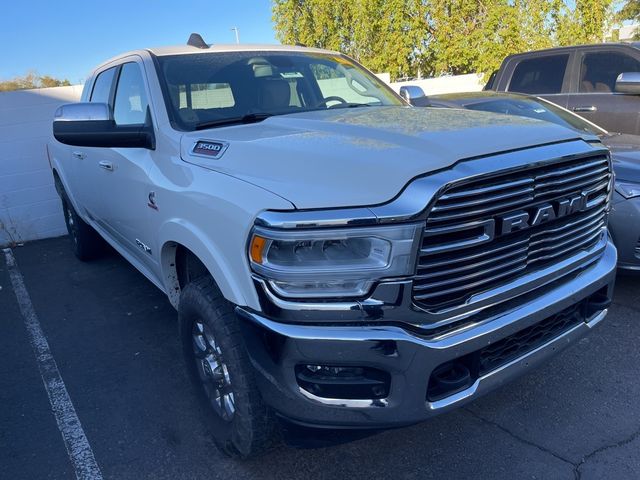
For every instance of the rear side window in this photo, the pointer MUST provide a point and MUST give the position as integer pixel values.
(600, 70)
(539, 75)
(102, 86)
(130, 107)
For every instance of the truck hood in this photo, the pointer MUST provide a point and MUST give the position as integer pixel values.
(361, 156)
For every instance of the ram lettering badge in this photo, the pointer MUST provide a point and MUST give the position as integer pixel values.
(523, 219)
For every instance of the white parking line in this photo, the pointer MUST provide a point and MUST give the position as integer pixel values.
(75, 441)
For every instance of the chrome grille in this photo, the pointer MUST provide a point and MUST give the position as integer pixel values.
(461, 257)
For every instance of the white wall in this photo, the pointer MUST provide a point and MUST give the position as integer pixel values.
(448, 84)
(29, 206)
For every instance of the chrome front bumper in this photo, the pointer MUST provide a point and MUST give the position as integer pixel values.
(409, 356)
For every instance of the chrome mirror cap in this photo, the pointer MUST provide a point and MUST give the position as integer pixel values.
(628, 82)
(413, 94)
(78, 112)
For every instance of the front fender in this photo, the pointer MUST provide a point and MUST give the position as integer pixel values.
(235, 286)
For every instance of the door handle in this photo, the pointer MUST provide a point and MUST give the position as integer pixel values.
(79, 155)
(586, 108)
(106, 165)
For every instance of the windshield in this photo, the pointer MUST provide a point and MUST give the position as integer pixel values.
(214, 89)
(540, 109)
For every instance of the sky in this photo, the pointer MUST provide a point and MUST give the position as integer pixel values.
(67, 38)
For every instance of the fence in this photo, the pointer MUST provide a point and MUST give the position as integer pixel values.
(447, 84)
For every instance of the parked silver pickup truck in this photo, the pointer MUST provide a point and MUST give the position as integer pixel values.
(337, 258)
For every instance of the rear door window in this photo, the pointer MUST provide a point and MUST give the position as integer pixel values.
(102, 87)
(540, 75)
(599, 70)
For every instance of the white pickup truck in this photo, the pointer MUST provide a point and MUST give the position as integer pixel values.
(337, 258)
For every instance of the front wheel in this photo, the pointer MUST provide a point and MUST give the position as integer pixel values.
(217, 358)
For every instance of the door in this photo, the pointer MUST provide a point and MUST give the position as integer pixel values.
(594, 96)
(125, 185)
(544, 76)
(89, 182)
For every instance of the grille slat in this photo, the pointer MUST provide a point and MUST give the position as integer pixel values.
(424, 296)
(567, 234)
(589, 241)
(568, 225)
(454, 205)
(446, 277)
(574, 178)
(563, 171)
(464, 257)
(485, 190)
(471, 266)
(464, 278)
(508, 205)
(583, 185)
(471, 203)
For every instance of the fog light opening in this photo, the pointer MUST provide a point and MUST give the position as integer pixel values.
(343, 382)
(596, 303)
(448, 379)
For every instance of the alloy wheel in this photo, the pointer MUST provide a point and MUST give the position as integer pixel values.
(213, 371)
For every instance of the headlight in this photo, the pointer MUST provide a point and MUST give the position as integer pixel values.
(628, 189)
(332, 263)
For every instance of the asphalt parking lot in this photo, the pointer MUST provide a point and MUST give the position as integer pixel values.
(114, 339)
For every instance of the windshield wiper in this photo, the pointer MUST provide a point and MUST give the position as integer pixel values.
(248, 118)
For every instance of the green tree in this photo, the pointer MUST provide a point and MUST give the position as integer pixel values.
(32, 80)
(586, 22)
(391, 42)
(631, 11)
(438, 37)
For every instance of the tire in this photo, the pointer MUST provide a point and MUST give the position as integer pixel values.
(85, 241)
(214, 349)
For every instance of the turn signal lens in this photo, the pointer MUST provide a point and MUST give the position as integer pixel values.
(257, 248)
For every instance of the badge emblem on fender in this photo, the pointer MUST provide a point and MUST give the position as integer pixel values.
(209, 148)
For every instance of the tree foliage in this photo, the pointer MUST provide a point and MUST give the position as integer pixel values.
(32, 80)
(404, 37)
(388, 42)
(631, 11)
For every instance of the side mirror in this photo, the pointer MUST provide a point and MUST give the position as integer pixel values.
(91, 125)
(414, 95)
(628, 82)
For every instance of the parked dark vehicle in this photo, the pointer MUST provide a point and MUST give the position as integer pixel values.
(624, 221)
(599, 82)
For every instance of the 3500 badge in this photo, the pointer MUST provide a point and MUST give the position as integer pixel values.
(209, 149)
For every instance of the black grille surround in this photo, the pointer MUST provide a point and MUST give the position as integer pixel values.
(461, 255)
